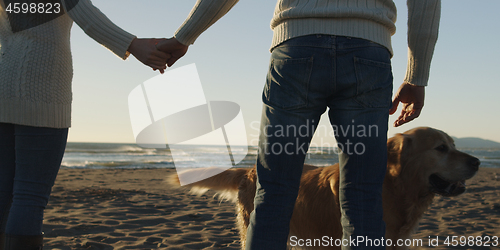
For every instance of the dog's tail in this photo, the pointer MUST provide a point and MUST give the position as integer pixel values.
(225, 183)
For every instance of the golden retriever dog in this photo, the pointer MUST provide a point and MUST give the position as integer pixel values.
(422, 162)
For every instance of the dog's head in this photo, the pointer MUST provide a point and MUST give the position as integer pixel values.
(429, 156)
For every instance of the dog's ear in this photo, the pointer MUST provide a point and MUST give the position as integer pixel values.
(398, 150)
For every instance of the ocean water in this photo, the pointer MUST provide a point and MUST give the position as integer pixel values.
(110, 155)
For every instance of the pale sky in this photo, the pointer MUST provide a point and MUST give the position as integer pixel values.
(232, 58)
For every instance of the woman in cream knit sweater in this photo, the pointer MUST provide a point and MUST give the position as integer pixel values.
(328, 54)
(35, 103)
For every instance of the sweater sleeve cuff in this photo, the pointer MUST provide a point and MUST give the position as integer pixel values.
(184, 38)
(417, 73)
(96, 25)
(202, 16)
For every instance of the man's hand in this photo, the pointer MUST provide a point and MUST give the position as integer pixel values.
(174, 48)
(412, 97)
(145, 51)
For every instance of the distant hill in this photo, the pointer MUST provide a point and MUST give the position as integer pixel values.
(472, 142)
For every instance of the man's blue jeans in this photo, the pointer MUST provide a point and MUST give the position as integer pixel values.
(30, 158)
(353, 78)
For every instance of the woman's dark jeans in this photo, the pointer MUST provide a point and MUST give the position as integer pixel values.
(30, 158)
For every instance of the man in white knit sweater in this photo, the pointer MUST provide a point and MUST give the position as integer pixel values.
(335, 54)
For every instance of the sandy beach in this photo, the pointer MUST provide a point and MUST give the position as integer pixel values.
(137, 209)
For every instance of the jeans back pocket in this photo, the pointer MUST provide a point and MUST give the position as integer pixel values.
(373, 83)
(287, 83)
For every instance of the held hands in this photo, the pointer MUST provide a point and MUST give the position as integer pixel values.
(157, 53)
(412, 97)
(145, 50)
(173, 47)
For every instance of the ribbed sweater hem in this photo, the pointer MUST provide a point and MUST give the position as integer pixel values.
(351, 27)
(27, 113)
